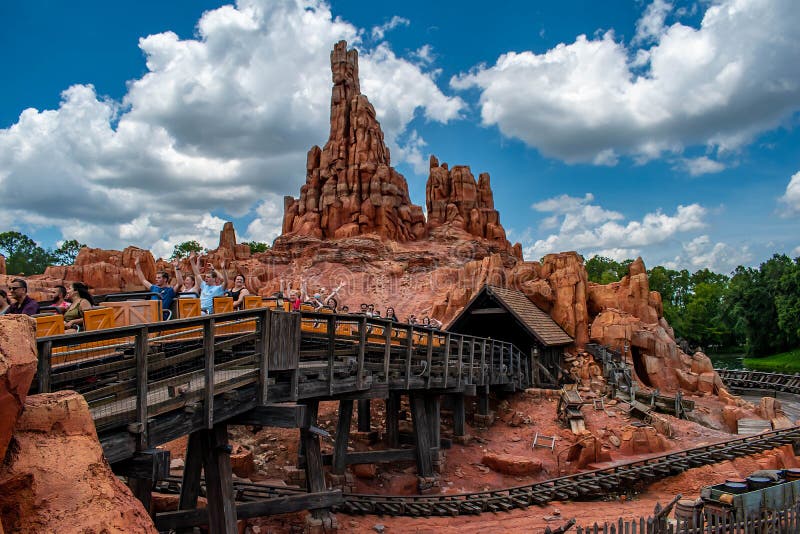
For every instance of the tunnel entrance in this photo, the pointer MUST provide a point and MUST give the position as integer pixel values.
(640, 367)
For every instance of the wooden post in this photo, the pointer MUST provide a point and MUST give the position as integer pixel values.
(460, 359)
(208, 352)
(459, 417)
(471, 361)
(43, 370)
(342, 436)
(422, 435)
(364, 415)
(429, 358)
(190, 487)
(446, 358)
(219, 481)
(262, 349)
(141, 387)
(387, 349)
(409, 354)
(392, 420)
(142, 489)
(483, 362)
(315, 476)
(433, 407)
(362, 350)
(331, 350)
(483, 400)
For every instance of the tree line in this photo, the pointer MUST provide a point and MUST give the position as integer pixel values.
(24, 256)
(754, 309)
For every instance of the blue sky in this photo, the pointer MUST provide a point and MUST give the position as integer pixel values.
(662, 129)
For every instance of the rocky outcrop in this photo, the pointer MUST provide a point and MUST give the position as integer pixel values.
(55, 478)
(17, 368)
(631, 294)
(351, 187)
(455, 200)
(228, 249)
(104, 271)
(2, 264)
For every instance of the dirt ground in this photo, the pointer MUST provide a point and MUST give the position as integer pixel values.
(518, 418)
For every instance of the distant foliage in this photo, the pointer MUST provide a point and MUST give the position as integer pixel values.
(24, 256)
(257, 246)
(758, 309)
(182, 250)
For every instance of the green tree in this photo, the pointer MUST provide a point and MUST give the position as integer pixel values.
(67, 252)
(23, 255)
(182, 250)
(257, 246)
(604, 270)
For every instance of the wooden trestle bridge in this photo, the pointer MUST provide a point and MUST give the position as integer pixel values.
(147, 384)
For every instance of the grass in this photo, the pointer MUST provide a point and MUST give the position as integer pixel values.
(785, 362)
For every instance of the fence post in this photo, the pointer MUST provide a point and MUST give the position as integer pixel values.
(362, 350)
(331, 350)
(141, 387)
(45, 352)
(263, 348)
(208, 354)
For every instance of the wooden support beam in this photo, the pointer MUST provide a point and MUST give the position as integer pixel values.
(184, 519)
(44, 367)
(219, 481)
(315, 476)
(378, 457)
(190, 487)
(483, 400)
(142, 489)
(342, 435)
(287, 415)
(364, 415)
(422, 434)
(208, 354)
(459, 416)
(150, 464)
(141, 388)
(433, 408)
(262, 353)
(393, 419)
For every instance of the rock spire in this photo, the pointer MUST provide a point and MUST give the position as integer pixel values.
(351, 187)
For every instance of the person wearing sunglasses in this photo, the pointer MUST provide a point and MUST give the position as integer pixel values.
(23, 304)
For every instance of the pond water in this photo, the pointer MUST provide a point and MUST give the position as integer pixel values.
(728, 361)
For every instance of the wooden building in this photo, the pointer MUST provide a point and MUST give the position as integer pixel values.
(508, 315)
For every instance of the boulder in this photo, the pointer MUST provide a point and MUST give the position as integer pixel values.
(510, 464)
(17, 368)
(56, 479)
(641, 440)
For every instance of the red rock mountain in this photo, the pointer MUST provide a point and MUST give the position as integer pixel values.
(351, 187)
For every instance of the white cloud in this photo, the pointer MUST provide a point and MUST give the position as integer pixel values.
(701, 253)
(218, 124)
(796, 251)
(790, 200)
(596, 99)
(702, 165)
(378, 32)
(651, 25)
(268, 222)
(591, 229)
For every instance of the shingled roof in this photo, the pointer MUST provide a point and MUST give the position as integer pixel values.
(538, 322)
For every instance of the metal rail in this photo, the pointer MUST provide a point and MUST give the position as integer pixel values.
(582, 485)
(745, 379)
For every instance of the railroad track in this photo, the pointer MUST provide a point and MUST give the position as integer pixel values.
(745, 379)
(582, 485)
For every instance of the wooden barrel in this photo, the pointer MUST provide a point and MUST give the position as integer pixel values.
(688, 513)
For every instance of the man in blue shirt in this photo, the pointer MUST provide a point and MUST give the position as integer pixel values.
(161, 287)
(210, 285)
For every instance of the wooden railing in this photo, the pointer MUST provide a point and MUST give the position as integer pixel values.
(132, 375)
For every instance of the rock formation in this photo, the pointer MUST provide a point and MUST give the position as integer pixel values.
(55, 478)
(455, 200)
(351, 187)
(2, 264)
(17, 368)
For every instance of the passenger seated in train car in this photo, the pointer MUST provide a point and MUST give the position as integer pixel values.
(345, 310)
(184, 283)
(23, 304)
(161, 287)
(391, 315)
(332, 304)
(5, 304)
(370, 310)
(238, 292)
(412, 319)
(60, 301)
(210, 287)
(82, 300)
